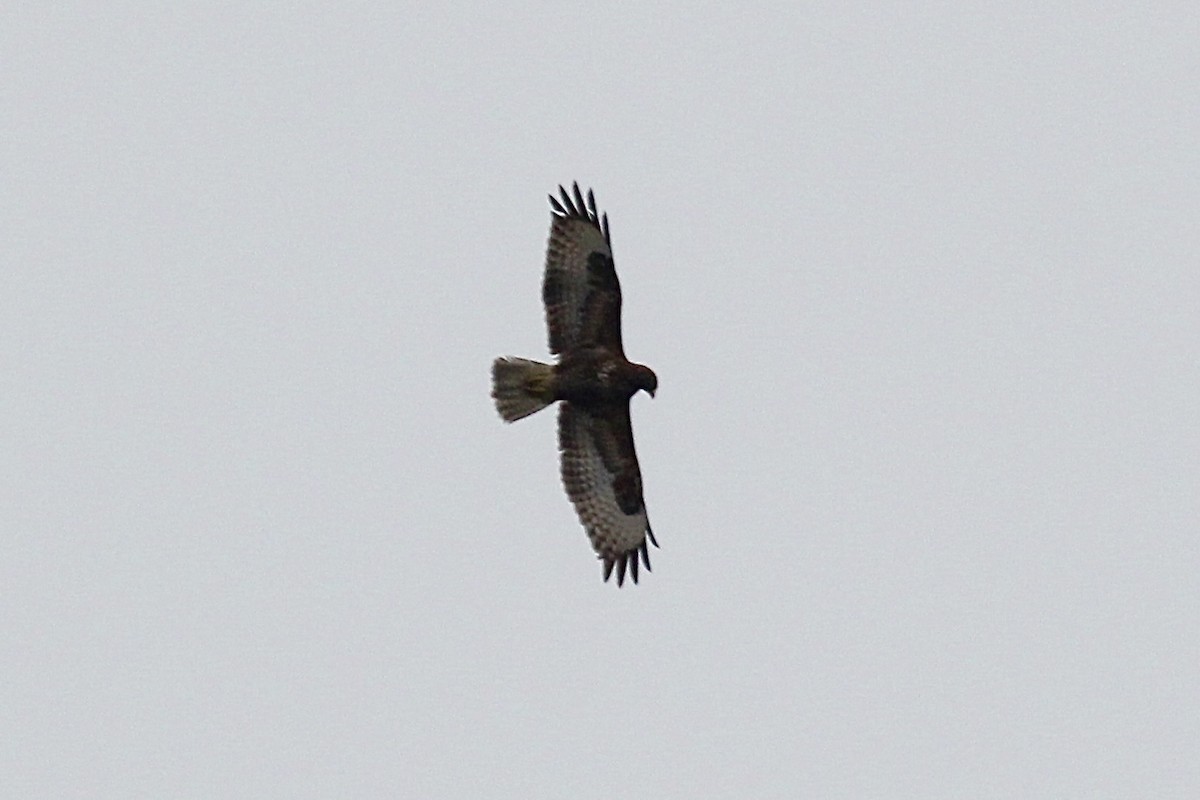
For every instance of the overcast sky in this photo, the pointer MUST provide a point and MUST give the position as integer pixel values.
(921, 287)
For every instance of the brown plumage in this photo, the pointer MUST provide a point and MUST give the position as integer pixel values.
(592, 381)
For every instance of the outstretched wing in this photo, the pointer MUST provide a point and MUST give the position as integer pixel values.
(580, 287)
(601, 476)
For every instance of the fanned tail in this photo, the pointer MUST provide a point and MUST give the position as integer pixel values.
(521, 387)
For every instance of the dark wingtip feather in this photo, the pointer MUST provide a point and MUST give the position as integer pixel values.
(650, 534)
(580, 206)
(626, 563)
(572, 205)
(567, 204)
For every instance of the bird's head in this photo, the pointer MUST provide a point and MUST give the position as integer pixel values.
(647, 381)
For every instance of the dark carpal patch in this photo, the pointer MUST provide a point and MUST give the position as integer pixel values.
(601, 273)
(627, 487)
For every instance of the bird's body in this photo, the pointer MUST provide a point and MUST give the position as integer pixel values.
(595, 376)
(593, 381)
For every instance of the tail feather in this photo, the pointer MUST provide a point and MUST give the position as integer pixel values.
(521, 387)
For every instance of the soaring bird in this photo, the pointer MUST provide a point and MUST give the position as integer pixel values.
(592, 382)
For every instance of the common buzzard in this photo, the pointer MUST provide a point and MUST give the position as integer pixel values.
(592, 379)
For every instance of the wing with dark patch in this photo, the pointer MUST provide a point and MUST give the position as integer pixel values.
(580, 287)
(600, 473)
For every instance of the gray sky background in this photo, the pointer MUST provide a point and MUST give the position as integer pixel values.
(921, 287)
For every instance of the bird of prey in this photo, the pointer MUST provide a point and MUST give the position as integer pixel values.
(592, 381)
